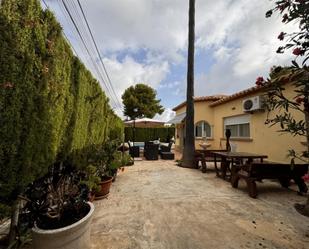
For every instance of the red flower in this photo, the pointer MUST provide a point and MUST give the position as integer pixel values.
(281, 36)
(299, 100)
(298, 51)
(306, 177)
(259, 81)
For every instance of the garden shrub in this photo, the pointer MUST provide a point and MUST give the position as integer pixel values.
(149, 134)
(51, 107)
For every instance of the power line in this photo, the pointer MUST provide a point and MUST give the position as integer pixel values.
(45, 3)
(64, 10)
(95, 44)
(85, 45)
(63, 33)
(84, 32)
(79, 18)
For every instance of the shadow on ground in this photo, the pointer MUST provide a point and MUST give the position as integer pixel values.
(155, 204)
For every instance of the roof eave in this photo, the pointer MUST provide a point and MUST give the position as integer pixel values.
(240, 94)
(199, 99)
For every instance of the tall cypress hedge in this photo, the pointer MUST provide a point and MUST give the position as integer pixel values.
(50, 105)
(149, 134)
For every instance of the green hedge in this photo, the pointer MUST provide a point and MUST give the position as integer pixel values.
(149, 134)
(50, 105)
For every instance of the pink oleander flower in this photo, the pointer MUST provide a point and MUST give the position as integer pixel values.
(260, 81)
(298, 51)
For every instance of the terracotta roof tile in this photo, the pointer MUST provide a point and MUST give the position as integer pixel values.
(238, 95)
(202, 98)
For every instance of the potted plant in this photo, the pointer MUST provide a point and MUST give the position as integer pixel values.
(106, 160)
(126, 160)
(57, 210)
(92, 181)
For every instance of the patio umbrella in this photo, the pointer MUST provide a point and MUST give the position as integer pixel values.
(145, 123)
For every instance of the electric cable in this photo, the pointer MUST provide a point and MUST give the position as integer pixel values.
(101, 60)
(86, 47)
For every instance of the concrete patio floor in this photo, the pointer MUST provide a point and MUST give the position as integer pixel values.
(155, 204)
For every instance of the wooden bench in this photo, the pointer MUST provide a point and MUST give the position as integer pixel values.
(204, 156)
(208, 154)
(259, 171)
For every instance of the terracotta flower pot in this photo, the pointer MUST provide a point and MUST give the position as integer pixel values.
(104, 187)
(75, 236)
(91, 196)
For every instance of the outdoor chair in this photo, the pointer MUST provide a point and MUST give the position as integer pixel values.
(165, 152)
(164, 148)
(151, 151)
(133, 150)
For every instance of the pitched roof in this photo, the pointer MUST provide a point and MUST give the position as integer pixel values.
(200, 99)
(238, 95)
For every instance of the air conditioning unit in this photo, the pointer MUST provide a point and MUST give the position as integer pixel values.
(253, 104)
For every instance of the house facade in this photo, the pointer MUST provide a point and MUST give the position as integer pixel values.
(244, 115)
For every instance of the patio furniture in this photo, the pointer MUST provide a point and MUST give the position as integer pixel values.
(123, 147)
(151, 151)
(230, 158)
(252, 172)
(200, 157)
(164, 148)
(205, 156)
(167, 156)
(208, 154)
(133, 150)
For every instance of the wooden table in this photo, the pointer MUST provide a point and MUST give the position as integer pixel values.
(204, 156)
(229, 158)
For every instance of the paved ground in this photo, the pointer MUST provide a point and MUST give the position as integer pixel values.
(159, 205)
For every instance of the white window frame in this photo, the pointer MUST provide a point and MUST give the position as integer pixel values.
(203, 131)
(238, 121)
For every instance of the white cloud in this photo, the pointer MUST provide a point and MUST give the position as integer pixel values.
(158, 26)
(129, 72)
(167, 115)
(170, 85)
(241, 40)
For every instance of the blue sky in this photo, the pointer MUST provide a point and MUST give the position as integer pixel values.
(146, 42)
